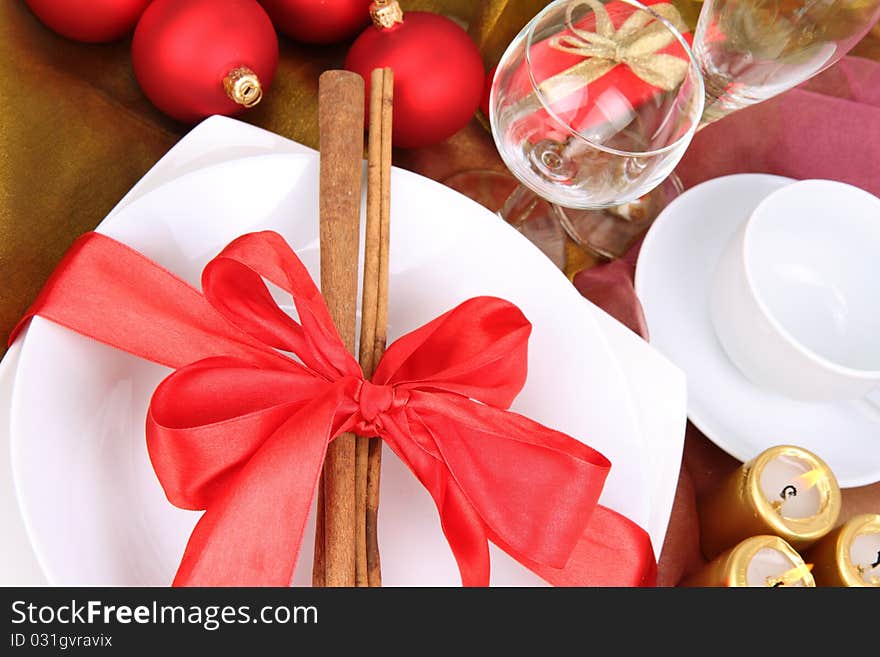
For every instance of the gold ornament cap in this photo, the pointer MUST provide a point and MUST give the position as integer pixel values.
(386, 13)
(243, 86)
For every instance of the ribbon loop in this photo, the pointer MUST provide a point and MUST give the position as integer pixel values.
(478, 349)
(233, 284)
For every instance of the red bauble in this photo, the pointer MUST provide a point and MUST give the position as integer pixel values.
(438, 75)
(319, 21)
(187, 55)
(93, 21)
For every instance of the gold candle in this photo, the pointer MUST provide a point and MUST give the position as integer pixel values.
(756, 561)
(850, 555)
(785, 491)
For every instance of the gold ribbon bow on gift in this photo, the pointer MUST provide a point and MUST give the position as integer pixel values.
(636, 44)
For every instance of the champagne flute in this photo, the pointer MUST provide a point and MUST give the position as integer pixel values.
(753, 50)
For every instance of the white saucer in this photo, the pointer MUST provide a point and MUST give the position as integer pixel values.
(673, 279)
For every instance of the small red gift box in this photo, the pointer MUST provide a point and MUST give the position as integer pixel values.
(600, 72)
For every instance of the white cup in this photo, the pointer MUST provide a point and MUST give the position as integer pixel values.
(796, 296)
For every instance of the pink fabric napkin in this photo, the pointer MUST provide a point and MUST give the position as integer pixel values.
(827, 128)
(611, 288)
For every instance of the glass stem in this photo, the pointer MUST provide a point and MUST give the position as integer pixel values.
(519, 206)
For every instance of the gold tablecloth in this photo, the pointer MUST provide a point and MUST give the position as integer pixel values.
(76, 133)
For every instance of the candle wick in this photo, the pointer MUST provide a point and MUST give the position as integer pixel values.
(864, 570)
(774, 582)
(790, 577)
(788, 491)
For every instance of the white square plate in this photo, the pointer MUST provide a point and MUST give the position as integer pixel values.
(94, 510)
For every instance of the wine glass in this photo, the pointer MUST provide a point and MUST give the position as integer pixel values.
(592, 106)
(748, 51)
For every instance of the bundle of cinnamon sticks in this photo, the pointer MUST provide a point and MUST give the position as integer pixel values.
(346, 545)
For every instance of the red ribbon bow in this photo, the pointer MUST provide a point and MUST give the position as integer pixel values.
(241, 430)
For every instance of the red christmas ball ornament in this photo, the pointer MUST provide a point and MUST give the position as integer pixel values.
(319, 21)
(195, 58)
(438, 71)
(92, 21)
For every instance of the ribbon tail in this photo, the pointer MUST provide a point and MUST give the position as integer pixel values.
(647, 41)
(111, 293)
(496, 475)
(662, 71)
(613, 551)
(464, 529)
(671, 13)
(530, 490)
(252, 532)
(465, 535)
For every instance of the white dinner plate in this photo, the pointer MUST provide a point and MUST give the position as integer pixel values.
(19, 566)
(94, 509)
(673, 280)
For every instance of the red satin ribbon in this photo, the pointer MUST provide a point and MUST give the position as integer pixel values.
(241, 430)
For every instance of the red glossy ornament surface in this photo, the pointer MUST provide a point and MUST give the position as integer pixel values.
(183, 49)
(319, 21)
(438, 75)
(92, 21)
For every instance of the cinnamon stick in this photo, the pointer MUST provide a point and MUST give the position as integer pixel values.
(341, 123)
(369, 310)
(374, 315)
